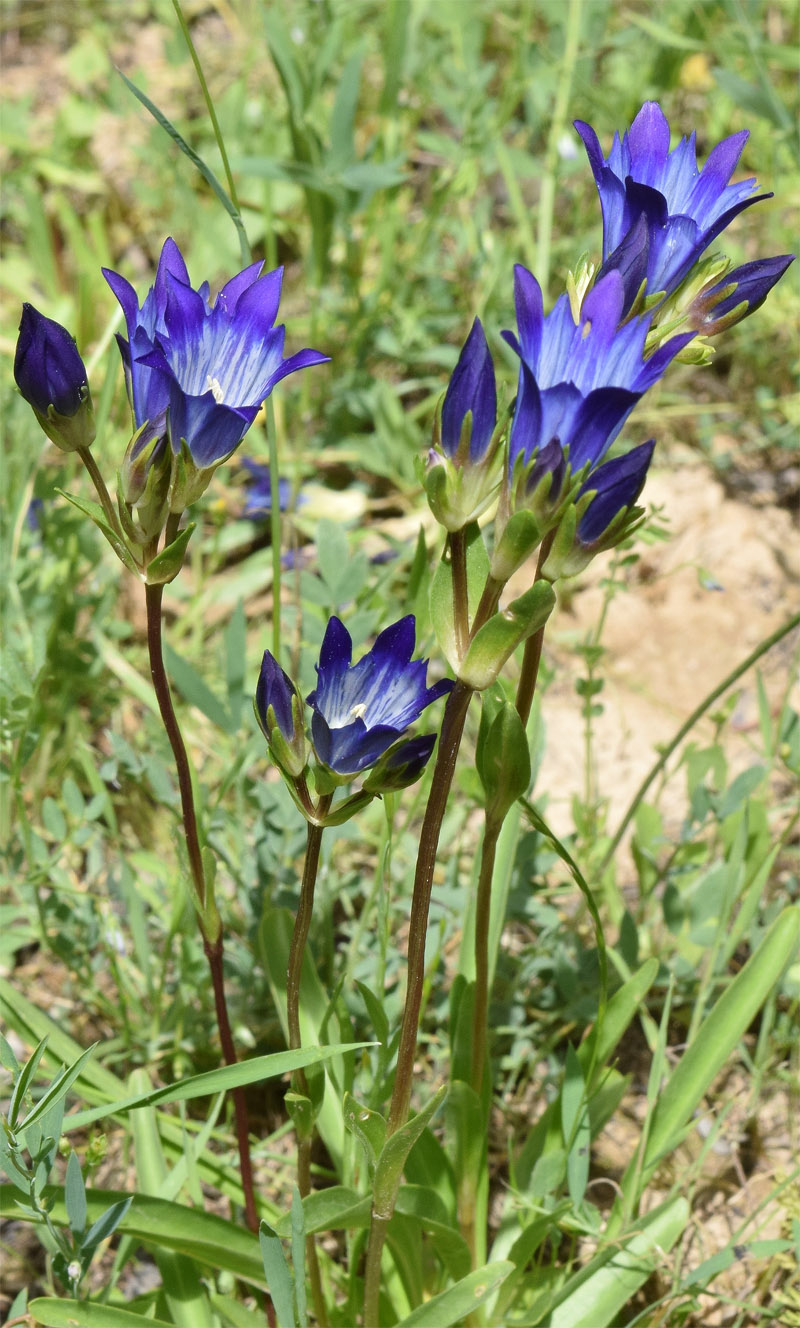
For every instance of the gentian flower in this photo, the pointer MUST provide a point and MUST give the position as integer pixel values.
(361, 710)
(460, 481)
(258, 495)
(199, 372)
(603, 513)
(51, 376)
(279, 711)
(578, 382)
(737, 295)
(685, 208)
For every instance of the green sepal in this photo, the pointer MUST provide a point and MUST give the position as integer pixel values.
(523, 533)
(497, 640)
(167, 564)
(393, 1155)
(209, 914)
(70, 433)
(289, 754)
(126, 519)
(369, 1127)
(189, 481)
(441, 601)
(343, 812)
(502, 758)
(95, 512)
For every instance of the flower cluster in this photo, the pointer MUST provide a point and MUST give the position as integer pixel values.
(359, 712)
(608, 340)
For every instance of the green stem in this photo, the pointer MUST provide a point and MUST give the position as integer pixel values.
(547, 194)
(212, 115)
(697, 713)
(153, 598)
(480, 1018)
(458, 566)
(449, 742)
(297, 951)
(99, 483)
(532, 656)
(212, 946)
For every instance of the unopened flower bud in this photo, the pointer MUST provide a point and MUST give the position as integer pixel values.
(52, 378)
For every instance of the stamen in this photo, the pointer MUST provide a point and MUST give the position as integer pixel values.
(358, 711)
(214, 385)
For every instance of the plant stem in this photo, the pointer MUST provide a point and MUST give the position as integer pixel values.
(480, 1017)
(211, 945)
(213, 951)
(458, 565)
(297, 951)
(449, 742)
(153, 597)
(532, 656)
(85, 454)
(274, 526)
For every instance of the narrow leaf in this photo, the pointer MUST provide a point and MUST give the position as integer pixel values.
(279, 1278)
(453, 1305)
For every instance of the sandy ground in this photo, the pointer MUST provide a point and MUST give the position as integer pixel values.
(670, 639)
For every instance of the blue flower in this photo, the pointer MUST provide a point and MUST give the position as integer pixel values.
(737, 295)
(471, 390)
(196, 371)
(685, 208)
(361, 710)
(579, 381)
(51, 376)
(258, 495)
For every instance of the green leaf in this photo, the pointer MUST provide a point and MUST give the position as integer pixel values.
(299, 1257)
(393, 1155)
(334, 1209)
(177, 138)
(59, 1088)
(105, 1226)
(252, 1071)
(75, 1197)
(718, 1036)
(278, 1275)
(505, 762)
(497, 640)
(603, 1291)
(23, 1083)
(86, 1314)
(453, 1305)
(575, 1126)
(158, 1223)
(369, 1127)
(167, 564)
(95, 512)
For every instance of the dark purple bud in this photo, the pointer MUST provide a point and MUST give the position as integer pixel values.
(47, 367)
(715, 308)
(549, 460)
(617, 484)
(275, 688)
(472, 388)
(402, 765)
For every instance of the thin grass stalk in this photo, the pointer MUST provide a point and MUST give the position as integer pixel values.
(244, 243)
